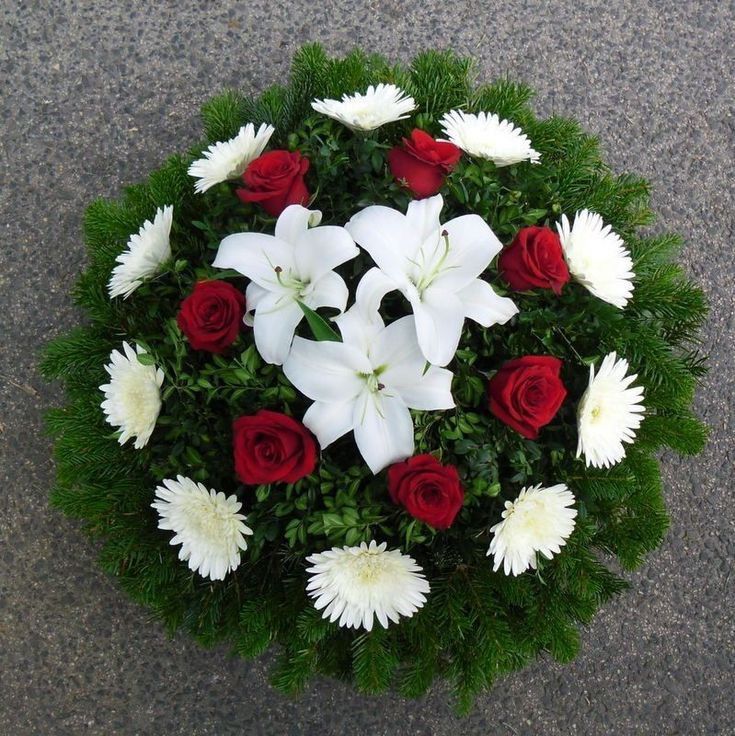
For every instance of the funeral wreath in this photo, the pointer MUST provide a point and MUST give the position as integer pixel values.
(378, 374)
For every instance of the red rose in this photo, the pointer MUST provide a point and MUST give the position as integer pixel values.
(534, 260)
(275, 180)
(211, 316)
(271, 447)
(423, 163)
(428, 490)
(527, 392)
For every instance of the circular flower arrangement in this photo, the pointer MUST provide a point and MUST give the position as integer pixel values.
(377, 374)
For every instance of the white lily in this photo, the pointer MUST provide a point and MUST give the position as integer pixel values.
(435, 266)
(294, 265)
(367, 384)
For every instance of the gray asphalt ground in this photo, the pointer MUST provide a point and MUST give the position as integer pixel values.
(94, 95)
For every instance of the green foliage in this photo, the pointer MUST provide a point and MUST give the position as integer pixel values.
(477, 625)
(320, 328)
(223, 116)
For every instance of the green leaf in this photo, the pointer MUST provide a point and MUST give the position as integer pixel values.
(146, 359)
(320, 328)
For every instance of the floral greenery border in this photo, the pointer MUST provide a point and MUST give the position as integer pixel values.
(477, 624)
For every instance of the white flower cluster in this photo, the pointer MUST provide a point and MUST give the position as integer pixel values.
(368, 382)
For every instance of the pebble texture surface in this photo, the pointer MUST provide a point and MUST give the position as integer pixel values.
(96, 94)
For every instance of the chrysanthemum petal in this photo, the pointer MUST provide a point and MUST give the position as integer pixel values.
(207, 525)
(485, 135)
(597, 257)
(609, 413)
(132, 397)
(145, 252)
(540, 520)
(381, 104)
(228, 159)
(356, 585)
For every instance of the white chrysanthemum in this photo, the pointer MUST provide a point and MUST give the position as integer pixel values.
(609, 413)
(597, 257)
(356, 584)
(485, 135)
(229, 159)
(208, 528)
(133, 395)
(538, 521)
(145, 252)
(383, 104)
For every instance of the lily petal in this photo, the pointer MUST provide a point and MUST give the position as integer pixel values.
(383, 430)
(397, 347)
(359, 328)
(373, 286)
(253, 296)
(256, 256)
(433, 391)
(322, 249)
(483, 305)
(329, 421)
(439, 318)
(387, 236)
(473, 245)
(423, 216)
(274, 325)
(329, 291)
(294, 221)
(326, 371)
(406, 375)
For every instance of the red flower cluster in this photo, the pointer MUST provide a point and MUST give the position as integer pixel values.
(534, 260)
(422, 163)
(527, 392)
(275, 180)
(271, 447)
(428, 490)
(211, 316)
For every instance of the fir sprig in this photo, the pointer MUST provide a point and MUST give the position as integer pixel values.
(477, 624)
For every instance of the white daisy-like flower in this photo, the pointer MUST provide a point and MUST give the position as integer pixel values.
(208, 526)
(597, 257)
(609, 413)
(540, 520)
(485, 135)
(383, 104)
(133, 395)
(228, 159)
(144, 254)
(358, 584)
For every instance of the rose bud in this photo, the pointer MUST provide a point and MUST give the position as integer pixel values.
(428, 490)
(422, 163)
(275, 180)
(270, 447)
(534, 260)
(526, 393)
(211, 316)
